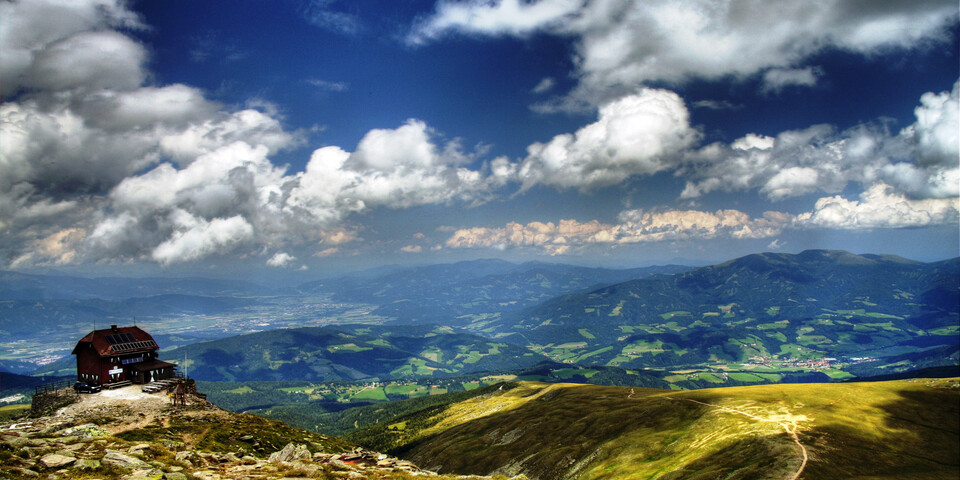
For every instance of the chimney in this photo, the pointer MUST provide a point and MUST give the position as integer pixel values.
(113, 327)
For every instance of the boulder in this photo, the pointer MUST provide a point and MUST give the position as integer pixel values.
(54, 460)
(174, 476)
(290, 453)
(123, 461)
(87, 464)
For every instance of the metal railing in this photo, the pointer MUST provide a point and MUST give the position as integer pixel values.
(53, 386)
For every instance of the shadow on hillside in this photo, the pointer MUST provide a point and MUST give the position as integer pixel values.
(761, 457)
(920, 440)
(546, 437)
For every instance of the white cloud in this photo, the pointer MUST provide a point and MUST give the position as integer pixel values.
(634, 226)
(29, 30)
(195, 237)
(637, 134)
(412, 249)
(281, 259)
(545, 85)
(880, 207)
(921, 160)
(937, 128)
(776, 79)
(622, 45)
(512, 17)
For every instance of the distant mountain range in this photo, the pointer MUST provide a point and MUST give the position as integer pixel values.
(464, 293)
(348, 353)
(811, 305)
(752, 319)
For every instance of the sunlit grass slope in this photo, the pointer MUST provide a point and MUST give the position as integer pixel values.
(897, 429)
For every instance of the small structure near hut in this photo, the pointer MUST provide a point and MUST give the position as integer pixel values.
(120, 355)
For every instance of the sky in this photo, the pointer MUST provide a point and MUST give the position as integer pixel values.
(311, 137)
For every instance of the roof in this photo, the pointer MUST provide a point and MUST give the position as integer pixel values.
(118, 340)
(151, 365)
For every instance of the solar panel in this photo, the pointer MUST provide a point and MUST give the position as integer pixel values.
(135, 345)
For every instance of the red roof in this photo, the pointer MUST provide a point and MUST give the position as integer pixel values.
(118, 340)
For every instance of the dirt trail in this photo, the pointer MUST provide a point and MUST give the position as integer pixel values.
(790, 427)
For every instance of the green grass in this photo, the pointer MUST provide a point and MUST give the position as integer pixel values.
(374, 394)
(746, 377)
(890, 430)
(586, 334)
(8, 412)
(669, 315)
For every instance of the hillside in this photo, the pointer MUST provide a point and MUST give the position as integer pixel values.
(805, 307)
(898, 429)
(348, 353)
(121, 434)
(470, 294)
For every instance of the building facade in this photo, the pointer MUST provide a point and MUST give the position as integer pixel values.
(119, 354)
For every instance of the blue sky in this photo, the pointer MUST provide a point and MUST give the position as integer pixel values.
(311, 137)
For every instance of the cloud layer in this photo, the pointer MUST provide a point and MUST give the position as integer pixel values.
(98, 164)
(623, 45)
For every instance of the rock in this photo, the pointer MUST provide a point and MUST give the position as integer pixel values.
(146, 473)
(87, 464)
(56, 461)
(28, 473)
(88, 430)
(123, 461)
(139, 448)
(290, 453)
(174, 476)
(187, 457)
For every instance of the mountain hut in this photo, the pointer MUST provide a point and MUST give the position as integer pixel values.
(120, 355)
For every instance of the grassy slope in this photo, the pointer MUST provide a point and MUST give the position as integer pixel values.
(898, 429)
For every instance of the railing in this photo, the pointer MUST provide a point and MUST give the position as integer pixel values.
(49, 387)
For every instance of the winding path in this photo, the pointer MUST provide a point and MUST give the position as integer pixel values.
(789, 427)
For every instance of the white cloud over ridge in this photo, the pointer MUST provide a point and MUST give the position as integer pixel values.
(622, 45)
(634, 226)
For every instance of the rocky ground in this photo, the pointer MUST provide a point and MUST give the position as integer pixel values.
(127, 434)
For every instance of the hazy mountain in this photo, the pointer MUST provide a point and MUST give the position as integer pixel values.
(827, 302)
(348, 353)
(467, 293)
(23, 286)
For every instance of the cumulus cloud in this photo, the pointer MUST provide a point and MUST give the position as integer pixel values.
(510, 17)
(161, 173)
(412, 249)
(637, 134)
(920, 160)
(281, 259)
(194, 237)
(634, 226)
(880, 207)
(621, 45)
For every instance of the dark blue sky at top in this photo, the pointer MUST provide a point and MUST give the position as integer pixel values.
(480, 90)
